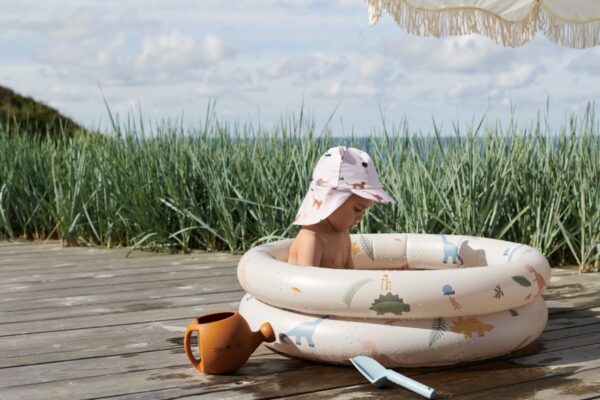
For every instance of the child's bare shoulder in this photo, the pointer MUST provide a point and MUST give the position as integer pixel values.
(307, 237)
(307, 248)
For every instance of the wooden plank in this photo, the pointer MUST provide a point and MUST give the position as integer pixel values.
(124, 318)
(567, 319)
(42, 261)
(99, 342)
(569, 285)
(10, 261)
(575, 386)
(199, 284)
(49, 267)
(565, 270)
(134, 305)
(583, 301)
(71, 278)
(593, 328)
(85, 268)
(14, 257)
(101, 366)
(112, 280)
(124, 343)
(149, 380)
(141, 295)
(581, 384)
(24, 242)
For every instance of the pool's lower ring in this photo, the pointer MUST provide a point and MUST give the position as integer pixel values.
(397, 343)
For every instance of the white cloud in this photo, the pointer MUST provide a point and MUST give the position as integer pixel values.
(176, 53)
(67, 93)
(76, 24)
(463, 93)
(518, 76)
(305, 69)
(456, 90)
(227, 81)
(288, 66)
(121, 60)
(375, 68)
(460, 54)
(339, 89)
(586, 63)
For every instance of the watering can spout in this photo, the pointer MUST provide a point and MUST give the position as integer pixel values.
(264, 334)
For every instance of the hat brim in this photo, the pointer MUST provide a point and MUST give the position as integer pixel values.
(308, 214)
(376, 195)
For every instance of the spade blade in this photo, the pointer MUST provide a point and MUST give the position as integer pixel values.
(378, 375)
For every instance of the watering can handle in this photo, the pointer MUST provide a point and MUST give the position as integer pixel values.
(191, 328)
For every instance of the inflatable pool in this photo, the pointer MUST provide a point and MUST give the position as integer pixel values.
(414, 300)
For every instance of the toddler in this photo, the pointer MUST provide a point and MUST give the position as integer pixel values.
(344, 185)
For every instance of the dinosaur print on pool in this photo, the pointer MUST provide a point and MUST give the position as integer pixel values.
(469, 325)
(303, 330)
(450, 251)
(390, 303)
(539, 279)
(370, 347)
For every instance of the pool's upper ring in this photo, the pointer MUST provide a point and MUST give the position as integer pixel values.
(418, 276)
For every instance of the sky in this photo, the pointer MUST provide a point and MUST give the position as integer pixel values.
(263, 61)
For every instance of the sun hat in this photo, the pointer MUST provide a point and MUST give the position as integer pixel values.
(340, 172)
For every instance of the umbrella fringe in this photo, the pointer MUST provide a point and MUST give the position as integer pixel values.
(467, 20)
(570, 34)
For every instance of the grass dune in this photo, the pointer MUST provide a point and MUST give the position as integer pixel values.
(230, 187)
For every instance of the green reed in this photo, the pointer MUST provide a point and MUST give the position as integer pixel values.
(223, 186)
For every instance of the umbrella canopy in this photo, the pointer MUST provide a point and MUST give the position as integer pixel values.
(512, 23)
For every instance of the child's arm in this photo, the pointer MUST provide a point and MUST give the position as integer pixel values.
(349, 263)
(349, 260)
(308, 251)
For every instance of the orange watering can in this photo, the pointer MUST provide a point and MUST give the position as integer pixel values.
(225, 341)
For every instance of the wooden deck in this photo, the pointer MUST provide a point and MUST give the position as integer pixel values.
(82, 323)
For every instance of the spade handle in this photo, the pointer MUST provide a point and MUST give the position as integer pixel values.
(410, 384)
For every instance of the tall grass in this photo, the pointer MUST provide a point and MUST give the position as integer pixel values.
(229, 186)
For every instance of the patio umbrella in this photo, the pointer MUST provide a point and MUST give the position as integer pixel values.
(512, 23)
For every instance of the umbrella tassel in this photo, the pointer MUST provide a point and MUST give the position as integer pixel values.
(449, 21)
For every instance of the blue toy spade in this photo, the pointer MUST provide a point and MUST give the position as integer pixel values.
(379, 376)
